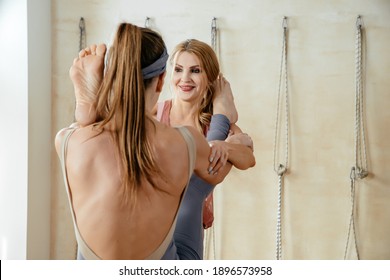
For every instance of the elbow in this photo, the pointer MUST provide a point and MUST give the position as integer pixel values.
(217, 180)
(248, 163)
(252, 162)
(212, 179)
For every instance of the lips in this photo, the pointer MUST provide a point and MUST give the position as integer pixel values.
(186, 88)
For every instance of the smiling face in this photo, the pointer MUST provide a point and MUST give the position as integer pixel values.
(189, 80)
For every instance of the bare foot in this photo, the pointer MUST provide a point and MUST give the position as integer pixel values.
(86, 74)
(223, 102)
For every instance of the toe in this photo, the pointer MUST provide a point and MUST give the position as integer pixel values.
(93, 49)
(82, 53)
(101, 50)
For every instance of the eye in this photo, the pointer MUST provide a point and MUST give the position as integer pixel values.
(195, 70)
(177, 69)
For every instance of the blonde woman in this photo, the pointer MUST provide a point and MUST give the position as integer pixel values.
(203, 100)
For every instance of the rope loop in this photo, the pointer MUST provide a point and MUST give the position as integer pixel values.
(281, 170)
(360, 170)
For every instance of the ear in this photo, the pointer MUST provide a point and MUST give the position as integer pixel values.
(160, 82)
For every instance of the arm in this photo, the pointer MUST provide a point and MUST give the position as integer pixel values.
(202, 163)
(202, 158)
(237, 150)
(237, 154)
(242, 157)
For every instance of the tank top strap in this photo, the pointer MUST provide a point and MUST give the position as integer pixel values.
(87, 253)
(191, 148)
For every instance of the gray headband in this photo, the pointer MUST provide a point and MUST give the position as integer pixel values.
(157, 67)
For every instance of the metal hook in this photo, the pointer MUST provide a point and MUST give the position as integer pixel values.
(284, 24)
(214, 33)
(82, 24)
(147, 22)
(352, 175)
(214, 23)
(359, 22)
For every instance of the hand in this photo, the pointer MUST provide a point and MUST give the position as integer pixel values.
(223, 102)
(218, 156)
(240, 138)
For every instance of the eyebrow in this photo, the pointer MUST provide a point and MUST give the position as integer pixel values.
(191, 67)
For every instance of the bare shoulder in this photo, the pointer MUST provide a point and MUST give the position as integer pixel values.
(61, 134)
(172, 157)
(60, 138)
(170, 138)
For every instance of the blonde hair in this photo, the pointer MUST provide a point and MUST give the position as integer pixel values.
(209, 64)
(122, 97)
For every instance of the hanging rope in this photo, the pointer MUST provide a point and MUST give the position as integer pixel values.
(83, 36)
(281, 168)
(360, 170)
(210, 233)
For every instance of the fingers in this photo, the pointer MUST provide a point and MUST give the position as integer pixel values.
(218, 158)
(213, 151)
(218, 164)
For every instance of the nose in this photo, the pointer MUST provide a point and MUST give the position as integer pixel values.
(185, 77)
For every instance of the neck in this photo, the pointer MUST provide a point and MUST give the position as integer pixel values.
(151, 98)
(183, 113)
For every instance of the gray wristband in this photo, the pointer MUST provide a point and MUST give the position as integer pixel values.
(219, 128)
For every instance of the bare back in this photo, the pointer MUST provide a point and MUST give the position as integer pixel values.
(111, 229)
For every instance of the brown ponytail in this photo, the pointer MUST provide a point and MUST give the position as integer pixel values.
(122, 99)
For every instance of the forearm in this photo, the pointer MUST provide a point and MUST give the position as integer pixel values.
(240, 156)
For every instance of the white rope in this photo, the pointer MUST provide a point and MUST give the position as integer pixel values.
(352, 217)
(360, 170)
(281, 168)
(360, 143)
